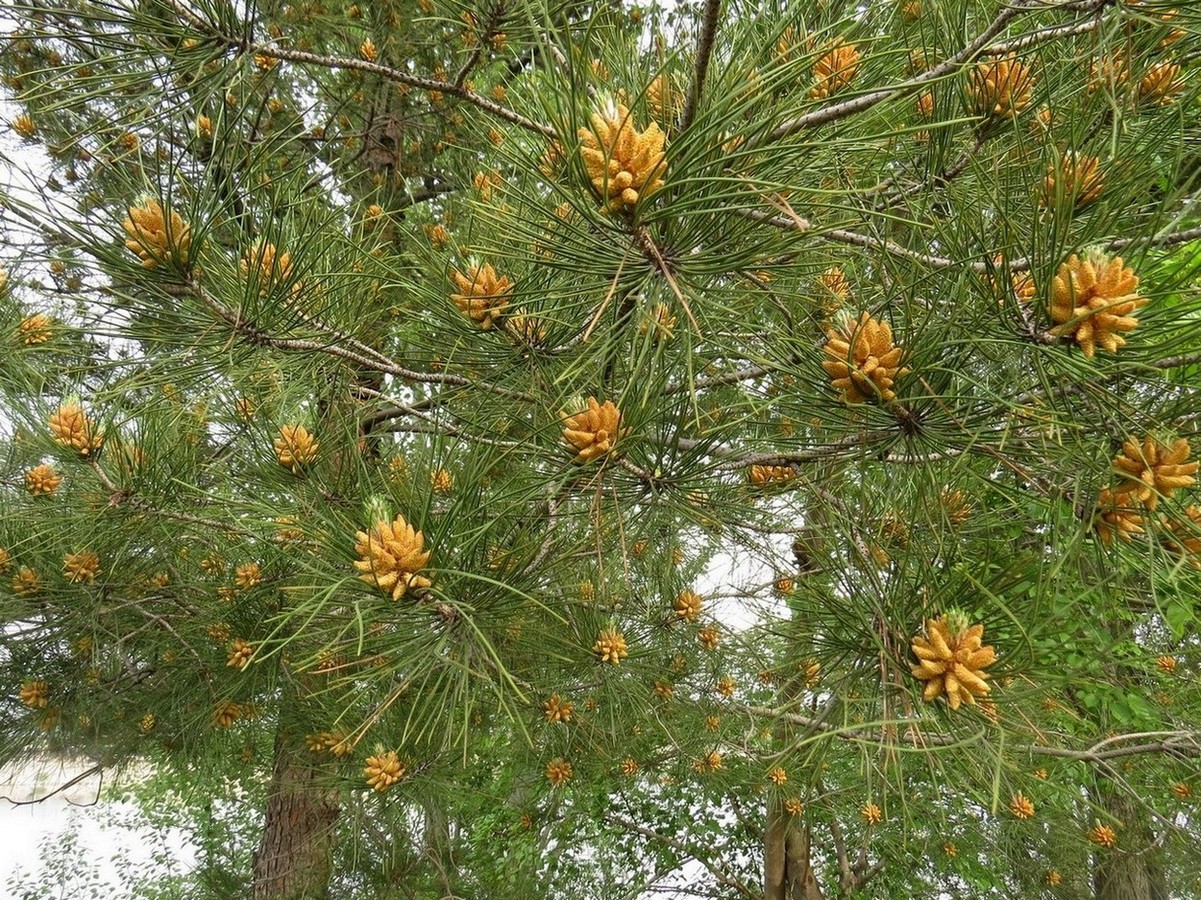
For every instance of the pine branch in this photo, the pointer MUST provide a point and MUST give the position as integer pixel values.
(952, 64)
(246, 45)
(704, 52)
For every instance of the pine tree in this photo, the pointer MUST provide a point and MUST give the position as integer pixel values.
(550, 449)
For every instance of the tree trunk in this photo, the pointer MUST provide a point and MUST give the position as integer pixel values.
(788, 874)
(294, 860)
(1135, 870)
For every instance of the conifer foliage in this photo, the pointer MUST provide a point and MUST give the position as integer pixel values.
(551, 448)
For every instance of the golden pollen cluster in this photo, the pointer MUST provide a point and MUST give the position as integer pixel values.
(239, 654)
(225, 713)
(1184, 536)
(35, 694)
(391, 556)
(710, 762)
(623, 163)
(1021, 806)
(871, 814)
(862, 361)
(71, 427)
(558, 771)
(664, 99)
(268, 267)
(1053, 878)
(42, 480)
(295, 447)
(79, 567)
(611, 647)
(1078, 180)
(952, 664)
(659, 323)
(35, 329)
(835, 289)
(1152, 470)
(25, 126)
(248, 575)
(629, 766)
(483, 296)
(1161, 83)
(1092, 300)
(1108, 73)
(557, 709)
(527, 328)
(594, 432)
(157, 236)
(709, 636)
(26, 582)
(1167, 664)
(1103, 836)
(688, 606)
(761, 475)
(383, 770)
(834, 69)
(777, 776)
(793, 806)
(1115, 519)
(1000, 89)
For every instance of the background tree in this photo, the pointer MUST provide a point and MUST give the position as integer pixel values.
(555, 449)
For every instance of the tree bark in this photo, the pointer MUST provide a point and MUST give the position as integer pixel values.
(788, 874)
(294, 860)
(1135, 871)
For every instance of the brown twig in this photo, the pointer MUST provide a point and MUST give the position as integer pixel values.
(704, 52)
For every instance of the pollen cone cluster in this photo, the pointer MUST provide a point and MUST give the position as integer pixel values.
(157, 236)
(1115, 518)
(834, 69)
(623, 163)
(295, 447)
(664, 98)
(383, 770)
(1153, 470)
(1078, 180)
(952, 664)
(391, 555)
(862, 361)
(761, 475)
(1000, 89)
(593, 432)
(1092, 300)
(270, 267)
(483, 296)
(71, 427)
(611, 647)
(42, 480)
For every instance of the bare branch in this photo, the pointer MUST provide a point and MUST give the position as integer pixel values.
(704, 52)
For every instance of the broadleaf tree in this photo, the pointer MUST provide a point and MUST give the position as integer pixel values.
(561, 449)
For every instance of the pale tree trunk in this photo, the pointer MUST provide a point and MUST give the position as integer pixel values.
(787, 872)
(1135, 870)
(294, 860)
